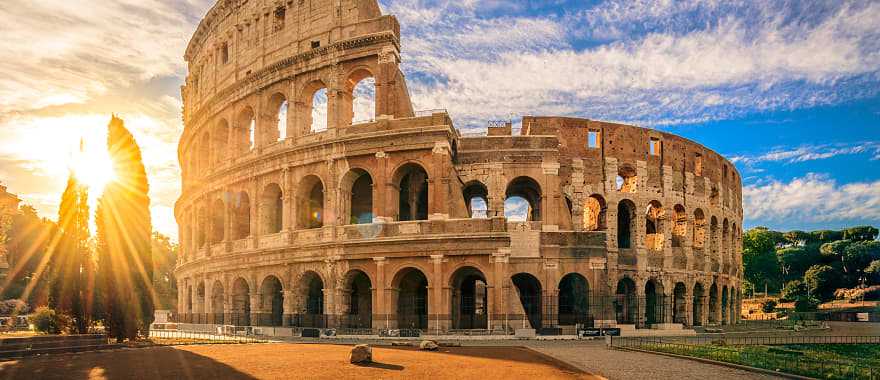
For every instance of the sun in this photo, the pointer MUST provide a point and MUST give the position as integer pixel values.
(93, 168)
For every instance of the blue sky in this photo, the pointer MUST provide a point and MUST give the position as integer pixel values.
(786, 89)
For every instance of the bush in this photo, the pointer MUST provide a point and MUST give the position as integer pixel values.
(821, 281)
(793, 290)
(806, 304)
(47, 321)
(768, 306)
(13, 307)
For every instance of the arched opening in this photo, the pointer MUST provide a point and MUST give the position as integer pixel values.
(318, 112)
(625, 304)
(245, 131)
(205, 154)
(655, 305)
(469, 299)
(273, 209)
(574, 301)
(476, 198)
(627, 179)
(311, 298)
(218, 221)
(412, 299)
(699, 229)
(713, 304)
(201, 316)
(594, 213)
(528, 205)
(241, 303)
(679, 304)
(202, 223)
(220, 139)
(359, 300)
(679, 230)
(363, 93)
(217, 303)
(724, 306)
(311, 202)
(654, 236)
(626, 219)
(278, 106)
(412, 182)
(272, 301)
(359, 183)
(242, 211)
(698, 304)
(529, 289)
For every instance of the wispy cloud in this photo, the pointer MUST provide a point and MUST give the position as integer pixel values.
(810, 153)
(812, 198)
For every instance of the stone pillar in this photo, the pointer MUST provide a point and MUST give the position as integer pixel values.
(641, 321)
(380, 179)
(704, 316)
(256, 309)
(439, 182)
(551, 196)
(288, 307)
(497, 189)
(287, 199)
(499, 290)
(436, 311)
(689, 306)
(380, 311)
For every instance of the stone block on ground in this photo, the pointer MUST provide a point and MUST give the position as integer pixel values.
(428, 345)
(362, 354)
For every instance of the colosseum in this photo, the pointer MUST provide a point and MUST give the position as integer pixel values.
(308, 204)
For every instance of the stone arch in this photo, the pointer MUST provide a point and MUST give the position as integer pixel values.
(530, 296)
(725, 301)
(594, 213)
(279, 107)
(244, 130)
(679, 303)
(679, 229)
(360, 96)
(220, 141)
(699, 295)
(625, 304)
(574, 300)
(310, 207)
(411, 180)
(217, 303)
(411, 291)
(310, 295)
(627, 179)
(358, 299)
(200, 303)
(272, 209)
(218, 221)
(699, 229)
(272, 301)
(655, 302)
(654, 219)
(713, 303)
(476, 199)
(241, 215)
(626, 224)
(527, 189)
(357, 187)
(470, 303)
(201, 227)
(316, 103)
(241, 303)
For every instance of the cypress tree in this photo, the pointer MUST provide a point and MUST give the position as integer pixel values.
(70, 267)
(124, 251)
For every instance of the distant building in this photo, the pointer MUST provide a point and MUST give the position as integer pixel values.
(8, 207)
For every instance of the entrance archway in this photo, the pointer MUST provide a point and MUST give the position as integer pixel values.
(698, 304)
(412, 299)
(679, 304)
(625, 305)
(217, 303)
(469, 299)
(654, 303)
(529, 289)
(359, 300)
(241, 303)
(272, 302)
(574, 304)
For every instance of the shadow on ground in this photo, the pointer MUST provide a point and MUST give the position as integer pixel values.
(151, 363)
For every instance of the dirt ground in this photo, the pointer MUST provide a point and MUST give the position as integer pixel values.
(290, 361)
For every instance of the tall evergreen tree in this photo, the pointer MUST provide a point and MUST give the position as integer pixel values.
(124, 229)
(70, 267)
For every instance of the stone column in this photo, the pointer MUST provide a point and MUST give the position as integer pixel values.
(498, 290)
(380, 312)
(436, 309)
(288, 307)
(256, 309)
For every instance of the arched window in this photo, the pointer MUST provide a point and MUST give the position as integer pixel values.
(594, 213)
(311, 202)
(242, 210)
(476, 199)
(359, 185)
(654, 236)
(278, 105)
(412, 182)
(273, 209)
(220, 139)
(218, 221)
(364, 100)
(679, 230)
(626, 215)
(319, 111)
(245, 131)
(523, 200)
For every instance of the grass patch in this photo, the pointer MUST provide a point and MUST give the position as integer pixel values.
(824, 361)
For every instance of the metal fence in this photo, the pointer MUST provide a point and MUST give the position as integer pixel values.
(738, 351)
(222, 336)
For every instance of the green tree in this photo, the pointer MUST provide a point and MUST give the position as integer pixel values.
(124, 240)
(760, 265)
(826, 236)
(821, 281)
(859, 255)
(71, 269)
(797, 237)
(28, 240)
(795, 261)
(164, 260)
(793, 290)
(873, 272)
(860, 233)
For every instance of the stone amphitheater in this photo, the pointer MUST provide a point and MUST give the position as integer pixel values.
(314, 195)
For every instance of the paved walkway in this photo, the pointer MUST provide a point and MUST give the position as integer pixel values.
(594, 358)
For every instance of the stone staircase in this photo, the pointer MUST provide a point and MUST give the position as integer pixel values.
(52, 344)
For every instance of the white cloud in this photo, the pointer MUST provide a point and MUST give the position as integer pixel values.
(810, 153)
(812, 198)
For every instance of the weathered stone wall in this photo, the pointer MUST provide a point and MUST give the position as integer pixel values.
(282, 230)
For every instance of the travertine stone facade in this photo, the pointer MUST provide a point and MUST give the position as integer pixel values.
(8, 208)
(377, 224)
